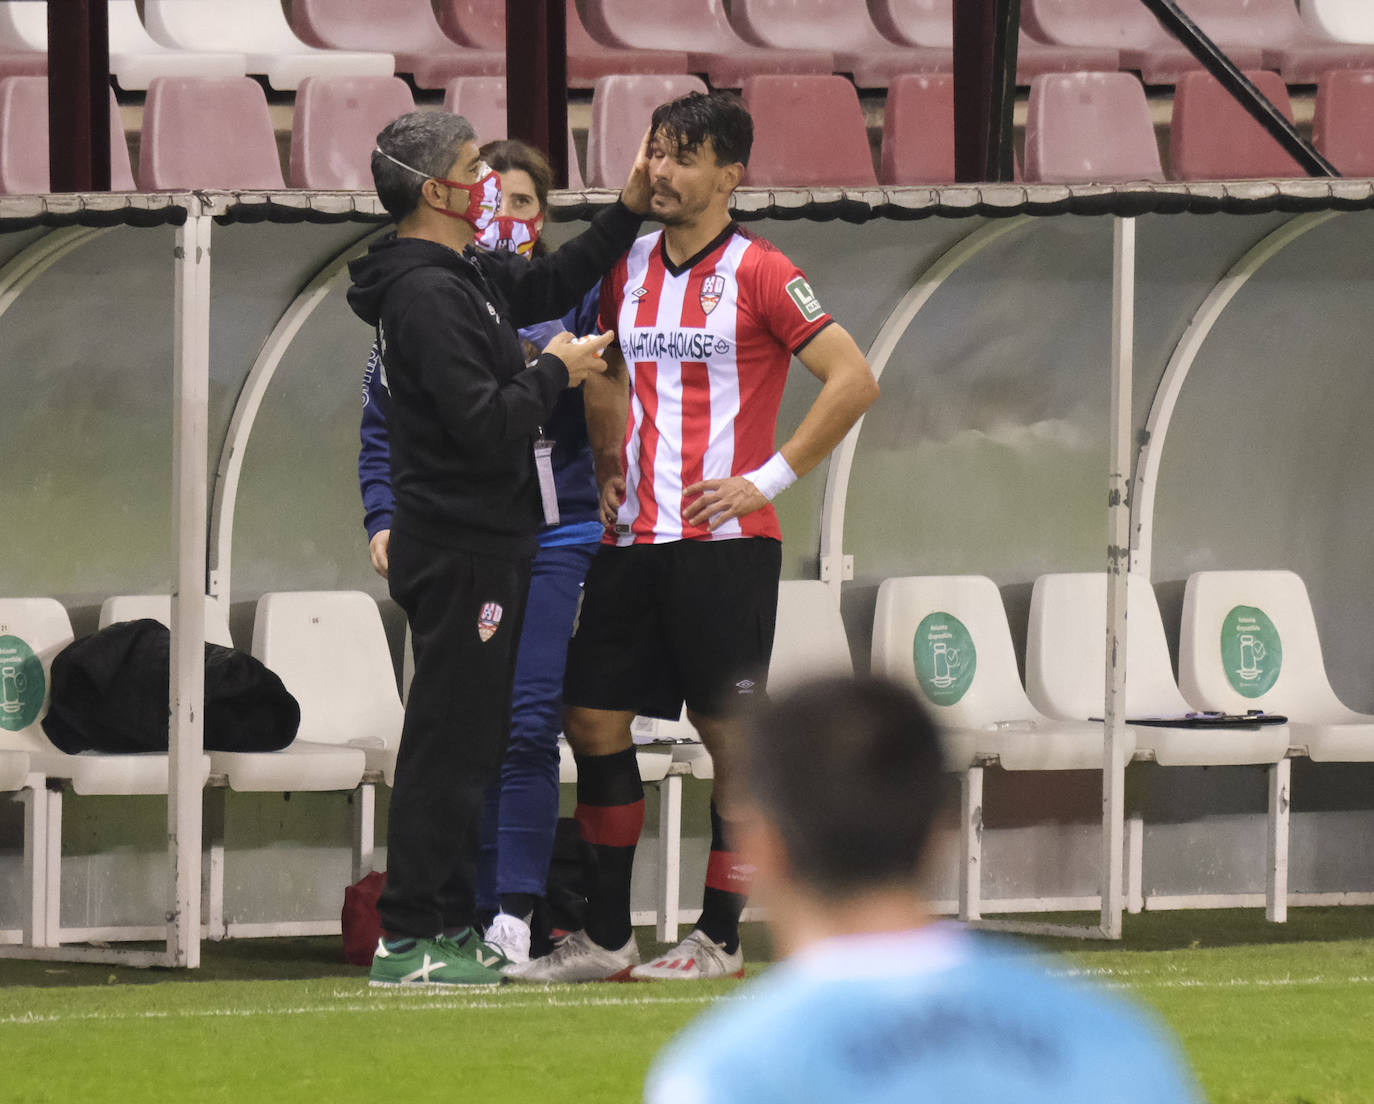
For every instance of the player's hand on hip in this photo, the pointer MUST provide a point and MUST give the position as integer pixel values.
(580, 355)
(721, 500)
(638, 188)
(612, 495)
(377, 549)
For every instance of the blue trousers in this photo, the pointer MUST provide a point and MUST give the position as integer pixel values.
(521, 810)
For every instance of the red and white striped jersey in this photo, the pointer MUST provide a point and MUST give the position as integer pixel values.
(708, 345)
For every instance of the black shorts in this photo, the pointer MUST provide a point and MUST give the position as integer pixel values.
(661, 624)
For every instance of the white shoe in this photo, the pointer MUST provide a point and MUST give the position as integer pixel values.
(511, 936)
(695, 958)
(577, 958)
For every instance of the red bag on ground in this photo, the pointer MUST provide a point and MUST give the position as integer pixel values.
(362, 927)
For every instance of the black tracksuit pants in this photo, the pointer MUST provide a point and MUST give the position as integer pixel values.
(457, 722)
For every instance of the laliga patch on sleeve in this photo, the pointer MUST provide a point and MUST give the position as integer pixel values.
(805, 298)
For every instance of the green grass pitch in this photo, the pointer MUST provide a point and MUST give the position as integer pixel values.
(1267, 1015)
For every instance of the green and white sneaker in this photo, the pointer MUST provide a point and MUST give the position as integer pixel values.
(437, 962)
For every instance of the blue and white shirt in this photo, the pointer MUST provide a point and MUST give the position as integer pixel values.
(932, 1015)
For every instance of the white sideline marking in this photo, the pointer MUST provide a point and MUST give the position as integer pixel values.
(426, 999)
(1130, 979)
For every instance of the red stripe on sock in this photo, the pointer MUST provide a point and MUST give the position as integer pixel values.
(611, 825)
(725, 871)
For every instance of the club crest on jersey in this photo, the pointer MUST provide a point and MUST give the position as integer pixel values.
(712, 288)
(488, 621)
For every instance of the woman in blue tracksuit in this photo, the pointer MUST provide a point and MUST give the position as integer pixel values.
(521, 811)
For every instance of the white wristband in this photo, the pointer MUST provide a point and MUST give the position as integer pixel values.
(773, 478)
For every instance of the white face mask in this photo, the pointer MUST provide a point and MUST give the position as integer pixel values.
(507, 234)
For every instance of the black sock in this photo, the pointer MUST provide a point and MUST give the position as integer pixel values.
(610, 813)
(727, 889)
(519, 905)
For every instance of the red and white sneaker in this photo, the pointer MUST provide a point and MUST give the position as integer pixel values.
(697, 957)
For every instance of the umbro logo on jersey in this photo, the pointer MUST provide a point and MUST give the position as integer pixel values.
(712, 288)
(639, 293)
(488, 621)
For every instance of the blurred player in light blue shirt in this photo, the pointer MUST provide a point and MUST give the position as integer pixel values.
(876, 1002)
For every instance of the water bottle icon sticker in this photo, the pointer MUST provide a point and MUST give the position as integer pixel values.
(11, 689)
(1251, 654)
(944, 658)
(1251, 651)
(944, 662)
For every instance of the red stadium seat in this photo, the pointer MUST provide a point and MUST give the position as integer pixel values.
(621, 107)
(701, 28)
(1128, 26)
(405, 28)
(482, 102)
(1343, 129)
(483, 23)
(842, 26)
(808, 131)
(213, 134)
(918, 131)
(1090, 128)
(24, 139)
(1213, 138)
(335, 127)
(930, 23)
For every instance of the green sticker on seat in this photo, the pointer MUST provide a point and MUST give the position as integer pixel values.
(1251, 651)
(945, 658)
(22, 684)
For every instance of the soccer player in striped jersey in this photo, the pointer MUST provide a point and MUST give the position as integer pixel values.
(680, 602)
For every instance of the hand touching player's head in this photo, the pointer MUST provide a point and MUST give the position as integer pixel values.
(844, 776)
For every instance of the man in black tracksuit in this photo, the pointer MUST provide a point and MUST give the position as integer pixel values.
(466, 412)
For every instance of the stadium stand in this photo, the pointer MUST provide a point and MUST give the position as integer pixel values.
(1274, 25)
(135, 58)
(482, 101)
(1128, 26)
(1343, 20)
(1249, 641)
(842, 26)
(483, 23)
(621, 108)
(178, 115)
(404, 28)
(1213, 138)
(258, 29)
(1343, 123)
(24, 139)
(918, 131)
(930, 23)
(700, 28)
(334, 128)
(947, 638)
(1066, 655)
(1090, 128)
(43, 626)
(808, 131)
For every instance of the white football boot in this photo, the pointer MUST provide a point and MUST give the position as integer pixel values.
(511, 936)
(697, 957)
(576, 959)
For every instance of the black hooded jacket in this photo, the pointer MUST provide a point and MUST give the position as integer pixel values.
(465, 407)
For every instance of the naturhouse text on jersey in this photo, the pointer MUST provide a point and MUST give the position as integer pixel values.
(655, 344)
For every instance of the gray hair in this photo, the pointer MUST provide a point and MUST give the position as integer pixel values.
(410, 150)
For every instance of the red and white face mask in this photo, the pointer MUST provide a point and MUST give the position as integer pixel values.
(507, 234)
(484, 196)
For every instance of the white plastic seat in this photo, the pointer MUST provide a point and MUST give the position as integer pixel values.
(946, 637)
(1343, 20)
(1066, 652)
(40, 627)
(257, 29)
(135, 58)
(1249, 641)
(158, 607)
(1066, 655)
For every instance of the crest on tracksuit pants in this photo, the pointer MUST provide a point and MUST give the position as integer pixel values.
(489, 620)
